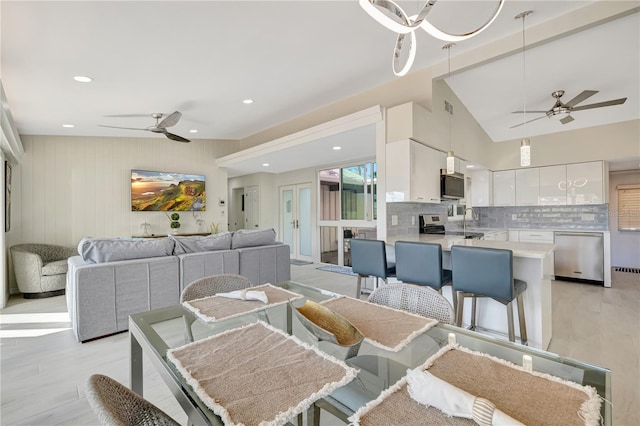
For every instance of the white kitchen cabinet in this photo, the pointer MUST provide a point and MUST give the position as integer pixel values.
(514, 235)
(586, 183)
(553, 188)
(496, 235)
(527, 186)
(413, 172)
(481, 188)
(504, 188)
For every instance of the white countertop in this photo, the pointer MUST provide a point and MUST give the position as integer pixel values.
(531, 250)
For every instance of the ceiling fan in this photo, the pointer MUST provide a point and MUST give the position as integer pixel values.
(160, 126)
(562, 111)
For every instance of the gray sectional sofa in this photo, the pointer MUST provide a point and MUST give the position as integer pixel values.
(114, 278)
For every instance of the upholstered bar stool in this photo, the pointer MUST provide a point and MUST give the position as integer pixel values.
(369, 259)
(421, 264)
(487, 272)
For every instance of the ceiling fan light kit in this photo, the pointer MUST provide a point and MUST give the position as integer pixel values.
(390, 15)
(160, 126)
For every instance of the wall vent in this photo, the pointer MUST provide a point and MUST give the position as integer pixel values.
(630, 270)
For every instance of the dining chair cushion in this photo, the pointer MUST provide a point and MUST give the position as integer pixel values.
(485, 271)
(369, 257)
(421, 263)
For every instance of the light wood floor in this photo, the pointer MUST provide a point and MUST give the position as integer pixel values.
(43, 369)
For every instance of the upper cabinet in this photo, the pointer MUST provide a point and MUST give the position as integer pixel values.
(553, 190)
(504, 188)
(586, 183)
(527, 186)
(481, 188)
(413, 172)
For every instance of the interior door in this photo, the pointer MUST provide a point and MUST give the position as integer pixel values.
(295, 219)
(251, 207)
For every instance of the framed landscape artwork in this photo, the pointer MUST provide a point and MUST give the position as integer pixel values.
(7, 196)
(167, 191)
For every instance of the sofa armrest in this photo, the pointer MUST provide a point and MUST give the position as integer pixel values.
(266, 264)
(100, 297)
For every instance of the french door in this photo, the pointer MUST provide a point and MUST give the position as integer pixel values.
(295, 219)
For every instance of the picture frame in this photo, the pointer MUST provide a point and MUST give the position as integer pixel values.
(7, 196)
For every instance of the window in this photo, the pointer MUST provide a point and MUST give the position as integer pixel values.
(629, 207)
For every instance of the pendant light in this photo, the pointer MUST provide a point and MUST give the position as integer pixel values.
(451, 159)
(525, 143)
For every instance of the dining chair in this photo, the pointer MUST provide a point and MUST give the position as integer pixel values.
(488, 272)
(115, 404)
(209, 286)
(421, 263)
(416, 299)
(369, 258)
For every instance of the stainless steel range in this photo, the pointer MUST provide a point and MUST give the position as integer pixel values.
(434, 224)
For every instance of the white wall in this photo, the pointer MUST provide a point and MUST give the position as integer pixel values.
(66, 188)
(4, 259)
(268, 210)
(609, 142)
(625, 245)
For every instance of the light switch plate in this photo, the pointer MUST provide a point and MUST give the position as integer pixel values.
(394, 219)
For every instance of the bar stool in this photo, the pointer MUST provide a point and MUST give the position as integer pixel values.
(488, 272)
(369, 259)
(421, 264)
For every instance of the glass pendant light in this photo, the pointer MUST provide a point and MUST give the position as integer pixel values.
(451, 159)
(525, 144)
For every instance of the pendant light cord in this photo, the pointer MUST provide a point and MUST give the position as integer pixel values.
(449, 46)
(524, 80)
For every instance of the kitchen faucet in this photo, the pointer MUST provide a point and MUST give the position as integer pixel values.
(464, 220)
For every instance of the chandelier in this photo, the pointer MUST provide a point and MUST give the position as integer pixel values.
(393, 17)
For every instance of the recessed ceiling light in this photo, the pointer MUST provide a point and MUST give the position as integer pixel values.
(265, 164)
(83, 79)
(68, 126)
(247, 101)
(337, 148)
(193, 131)
(470, 166)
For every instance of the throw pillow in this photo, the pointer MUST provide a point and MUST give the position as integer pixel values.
(253, 238)
(196, 244)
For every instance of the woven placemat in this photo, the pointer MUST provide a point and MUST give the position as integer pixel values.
(384, 327)
(216, 308)
(534, 399)
(258, 375)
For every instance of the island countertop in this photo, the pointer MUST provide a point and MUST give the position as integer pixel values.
(531, 250)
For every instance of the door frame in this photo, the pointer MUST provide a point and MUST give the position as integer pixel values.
(295, 188)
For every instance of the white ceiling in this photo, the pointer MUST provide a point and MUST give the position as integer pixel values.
(292, 57)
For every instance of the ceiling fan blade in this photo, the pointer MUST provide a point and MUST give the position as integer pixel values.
(529, 112)
(581, 97)
(176, 137)
(567, 119)
(600, 104)
(171, 120)
(127, 128)
(518, 125)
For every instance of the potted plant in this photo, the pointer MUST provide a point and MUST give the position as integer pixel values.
(175, 224)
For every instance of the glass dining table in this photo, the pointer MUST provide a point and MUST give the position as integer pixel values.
(155, 332)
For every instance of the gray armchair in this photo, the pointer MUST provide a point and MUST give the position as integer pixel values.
(41, 269)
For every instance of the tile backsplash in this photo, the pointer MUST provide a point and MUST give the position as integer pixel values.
(588, 217)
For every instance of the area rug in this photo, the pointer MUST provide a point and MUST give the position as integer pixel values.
(258, 375)
(216, 308)
(530, 397)
(382, 326)
(345, 270)
(298, 262)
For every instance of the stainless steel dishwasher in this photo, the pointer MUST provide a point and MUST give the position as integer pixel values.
(579, 255)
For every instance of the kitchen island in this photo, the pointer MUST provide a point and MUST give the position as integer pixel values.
(532, 262)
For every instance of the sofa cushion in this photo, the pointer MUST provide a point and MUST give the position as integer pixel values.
(253, 238)
(100, 250)
(196, 244)
(55, 268)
